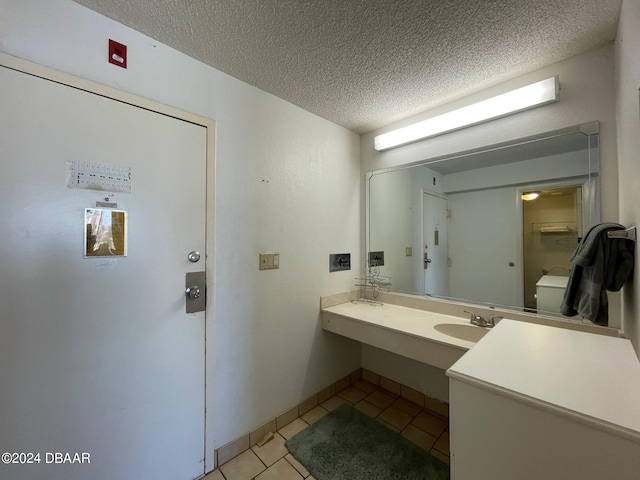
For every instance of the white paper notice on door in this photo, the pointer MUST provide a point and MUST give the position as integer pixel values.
(99, 176)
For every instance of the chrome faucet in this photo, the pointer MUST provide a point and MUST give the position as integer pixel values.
(481, 322)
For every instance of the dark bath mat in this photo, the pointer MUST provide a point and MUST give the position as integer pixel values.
(348, 445)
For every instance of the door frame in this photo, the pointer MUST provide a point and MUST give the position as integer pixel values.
(550, 185)
(69, 80)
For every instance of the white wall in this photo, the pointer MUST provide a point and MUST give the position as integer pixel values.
(628, 118)
(286, 181)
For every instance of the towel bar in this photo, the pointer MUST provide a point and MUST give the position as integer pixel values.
(629, 233)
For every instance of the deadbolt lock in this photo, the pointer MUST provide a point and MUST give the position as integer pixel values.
(195, 292)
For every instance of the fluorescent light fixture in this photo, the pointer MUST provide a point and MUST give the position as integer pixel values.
(530, 196)
(534, 95)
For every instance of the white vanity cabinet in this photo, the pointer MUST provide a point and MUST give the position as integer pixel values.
(532, 402)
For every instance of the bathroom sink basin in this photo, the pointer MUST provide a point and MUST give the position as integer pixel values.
(470, 333)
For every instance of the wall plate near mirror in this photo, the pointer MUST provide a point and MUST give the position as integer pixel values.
(105, 232)
(489, 226)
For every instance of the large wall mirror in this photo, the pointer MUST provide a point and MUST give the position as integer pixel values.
(493, 226)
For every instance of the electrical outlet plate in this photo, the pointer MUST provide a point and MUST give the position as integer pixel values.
(339, 261)
(269, 261)
(376, 259)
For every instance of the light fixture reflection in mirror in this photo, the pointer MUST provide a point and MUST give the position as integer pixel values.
(475, 201)
(105, 233)
(530, 196)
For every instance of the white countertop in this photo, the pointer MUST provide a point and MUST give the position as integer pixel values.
(591, 378)
(404, 331)
(409, 321)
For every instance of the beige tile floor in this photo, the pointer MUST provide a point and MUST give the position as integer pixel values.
(273, 461)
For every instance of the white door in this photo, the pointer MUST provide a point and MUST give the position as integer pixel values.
(97, 355)
(434, 235)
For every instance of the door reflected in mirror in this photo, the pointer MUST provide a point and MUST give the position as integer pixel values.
(481, 237)
(551, 229)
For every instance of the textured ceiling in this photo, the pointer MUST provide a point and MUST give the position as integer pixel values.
(366, 63)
